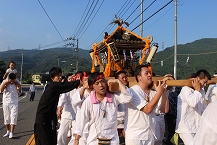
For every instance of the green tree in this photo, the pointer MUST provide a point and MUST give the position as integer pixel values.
(2, 70)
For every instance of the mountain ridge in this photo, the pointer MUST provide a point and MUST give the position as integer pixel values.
(201, 54)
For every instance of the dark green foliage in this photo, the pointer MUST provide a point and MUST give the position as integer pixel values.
(40, 61)
(2, 70)
(202, 55)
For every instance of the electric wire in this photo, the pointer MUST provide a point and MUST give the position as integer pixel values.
(159, 18)
(134, 10)
(91, 20)
(81, 18)
(124, 7)
(51, 20)
(193, 54)
(86, 19)
(108, 27)
(143, 11)
(153, 14)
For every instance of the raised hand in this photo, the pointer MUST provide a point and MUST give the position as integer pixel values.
(196, 84)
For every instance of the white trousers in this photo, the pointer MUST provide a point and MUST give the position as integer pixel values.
(187, 138)
(150, 141)
(83, 139)
(159, 129)
(10, 112)
(65, 126)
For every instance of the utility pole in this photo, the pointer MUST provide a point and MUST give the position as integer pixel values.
(141, 18)
(76, 50)
(21, 69)
(175, 42)
(141, 24)
(58, 61)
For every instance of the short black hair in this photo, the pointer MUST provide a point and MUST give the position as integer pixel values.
(69, 74)
(202, 74)
(80, 73)
(54, 71)
(10, 63)
(138, 70)
(193, 75)
(118, 73)
(12, 76)
(92, 77)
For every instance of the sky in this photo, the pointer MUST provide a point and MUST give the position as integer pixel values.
(33, 24)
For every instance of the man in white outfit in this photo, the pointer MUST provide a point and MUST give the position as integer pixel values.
(207, 132)
(100, 110)
(140, 115)
(10, 88)
(190, 106)
(211, 94)
(122, 77)
(159, 117)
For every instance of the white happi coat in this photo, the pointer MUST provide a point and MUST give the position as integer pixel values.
(99, 126)
(10, 104)
(139, 125)
(69, 103)
(190, 107)
(207, 132)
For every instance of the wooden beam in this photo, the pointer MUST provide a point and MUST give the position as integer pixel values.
(170, 83)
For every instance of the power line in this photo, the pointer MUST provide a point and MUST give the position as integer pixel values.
(81, 18)
(159, 18)
(91, 20)
(193, 54)
(85, 21)
(109, 26)
(153, 14)
(134, 10)
(128, 8)
(50, 20)
(143, 11)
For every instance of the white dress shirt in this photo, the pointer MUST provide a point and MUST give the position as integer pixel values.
(190, 107)
(207, 132)
(99, 126)
(139, 125)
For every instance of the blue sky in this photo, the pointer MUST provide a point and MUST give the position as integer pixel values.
(24, 24)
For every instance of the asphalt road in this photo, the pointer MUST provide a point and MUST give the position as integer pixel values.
(26, 118)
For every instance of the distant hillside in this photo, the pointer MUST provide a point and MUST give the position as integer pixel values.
(40, 61)
(202, 55)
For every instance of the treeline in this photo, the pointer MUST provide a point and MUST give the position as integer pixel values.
(200, 54)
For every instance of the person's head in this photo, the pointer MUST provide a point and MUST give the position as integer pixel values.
(11, 65)
(33, 83)
(69, 77)
(191, 76)
(203, 77)
(97, 82)
(78, 75)
(55, 74)
(64, 79)
(85, 76)
(122, 76)
(143, 74)
(12, 76)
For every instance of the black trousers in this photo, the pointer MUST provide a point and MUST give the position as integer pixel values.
(45, 134)
(171, 125)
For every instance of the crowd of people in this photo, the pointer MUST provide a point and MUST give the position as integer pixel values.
(86, 110)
